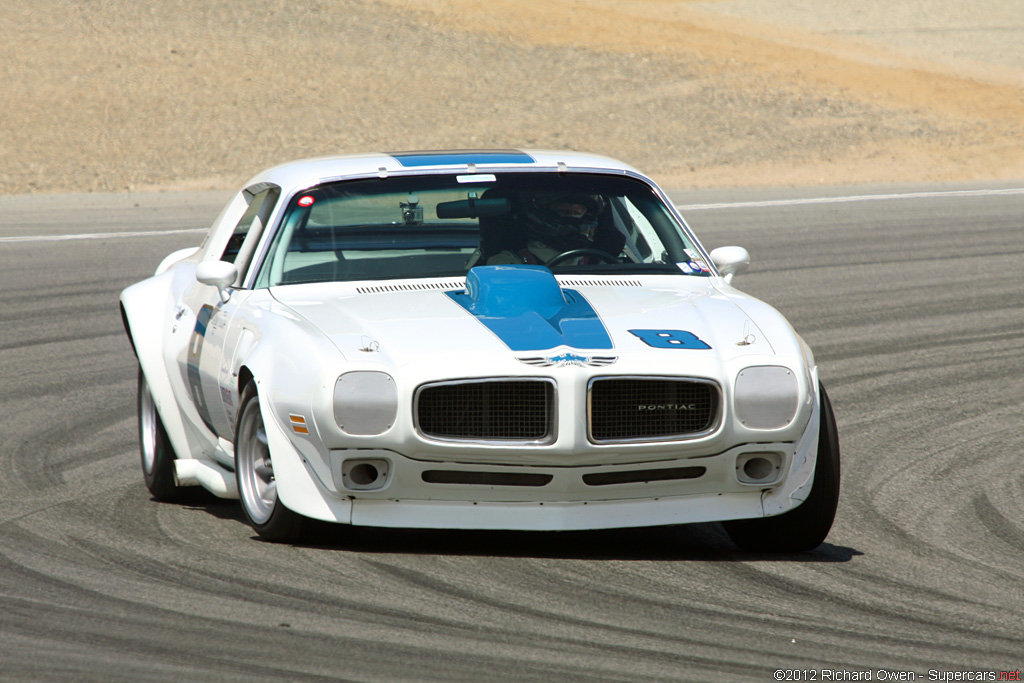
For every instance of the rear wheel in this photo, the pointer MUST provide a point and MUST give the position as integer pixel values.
(805, 527)
(254, 470)
(155, 448)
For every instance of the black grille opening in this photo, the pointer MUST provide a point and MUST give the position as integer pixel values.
(644, 476)
(486, 478)
(636, 408)
(499, 410)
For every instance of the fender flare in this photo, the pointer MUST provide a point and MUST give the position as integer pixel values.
(801, 476)
(298, 486)
(147, 306)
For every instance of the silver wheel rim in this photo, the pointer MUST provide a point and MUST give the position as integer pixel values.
(147, 427)
(256, 483)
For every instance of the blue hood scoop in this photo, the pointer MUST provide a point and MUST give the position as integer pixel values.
(528, 310)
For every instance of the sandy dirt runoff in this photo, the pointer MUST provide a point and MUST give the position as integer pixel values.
(106, 95)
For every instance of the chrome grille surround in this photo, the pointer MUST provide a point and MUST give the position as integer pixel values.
(638, 408)
(493, 410)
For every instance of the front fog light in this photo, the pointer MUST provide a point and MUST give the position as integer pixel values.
(364, 474)
(761, 469)
(365, 402)
(767, 397)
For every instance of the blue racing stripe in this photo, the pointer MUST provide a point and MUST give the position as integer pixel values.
(461, 158)
(528, 310)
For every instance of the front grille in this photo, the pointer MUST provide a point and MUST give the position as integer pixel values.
(651, 409)
(487, 410)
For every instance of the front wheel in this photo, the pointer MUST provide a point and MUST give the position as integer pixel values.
(805, 527)
(254, 470)
(155, 448)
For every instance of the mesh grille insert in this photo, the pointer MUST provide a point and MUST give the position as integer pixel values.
(490, 410)
(630, 408)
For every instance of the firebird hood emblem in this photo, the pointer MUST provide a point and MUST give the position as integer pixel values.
(563, 359)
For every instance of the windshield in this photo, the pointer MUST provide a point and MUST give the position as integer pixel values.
(443, 225)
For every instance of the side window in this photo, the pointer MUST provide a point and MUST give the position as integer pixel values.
(249, 228)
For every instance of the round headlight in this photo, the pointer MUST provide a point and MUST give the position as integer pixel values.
(365, 402)
(767, 397)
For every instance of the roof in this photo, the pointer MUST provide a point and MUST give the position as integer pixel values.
(308, 172)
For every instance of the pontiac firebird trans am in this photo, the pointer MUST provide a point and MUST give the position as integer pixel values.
(493, 339)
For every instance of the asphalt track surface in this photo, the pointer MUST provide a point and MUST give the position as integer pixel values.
(914, 304)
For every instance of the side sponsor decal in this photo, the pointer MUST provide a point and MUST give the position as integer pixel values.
(195, 352)
(670, 339)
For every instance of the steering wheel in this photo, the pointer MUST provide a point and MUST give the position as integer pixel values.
(573, 253)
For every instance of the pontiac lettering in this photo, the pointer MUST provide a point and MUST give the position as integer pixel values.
(668, 406)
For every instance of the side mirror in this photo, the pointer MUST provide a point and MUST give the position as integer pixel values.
(730, 261)
(219, 274)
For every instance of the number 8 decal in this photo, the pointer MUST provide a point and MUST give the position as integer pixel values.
(670, 339)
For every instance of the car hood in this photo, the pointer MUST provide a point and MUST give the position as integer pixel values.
(502, 312)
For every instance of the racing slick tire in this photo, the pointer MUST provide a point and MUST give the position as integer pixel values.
(254, 472)
(155, 448)
(805, 527)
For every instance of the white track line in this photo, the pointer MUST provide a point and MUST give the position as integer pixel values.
(98, 235)
(853, 198)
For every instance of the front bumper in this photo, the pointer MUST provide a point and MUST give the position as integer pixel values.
(557, 516)
(454, 494)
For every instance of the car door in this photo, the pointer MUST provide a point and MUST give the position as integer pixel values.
(206, 359)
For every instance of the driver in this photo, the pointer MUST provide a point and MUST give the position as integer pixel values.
(554, 224)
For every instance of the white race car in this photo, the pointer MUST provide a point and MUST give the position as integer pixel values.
(495, 339)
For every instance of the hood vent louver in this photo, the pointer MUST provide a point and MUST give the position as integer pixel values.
(417, 287)
(599, 283)
(461, 285)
